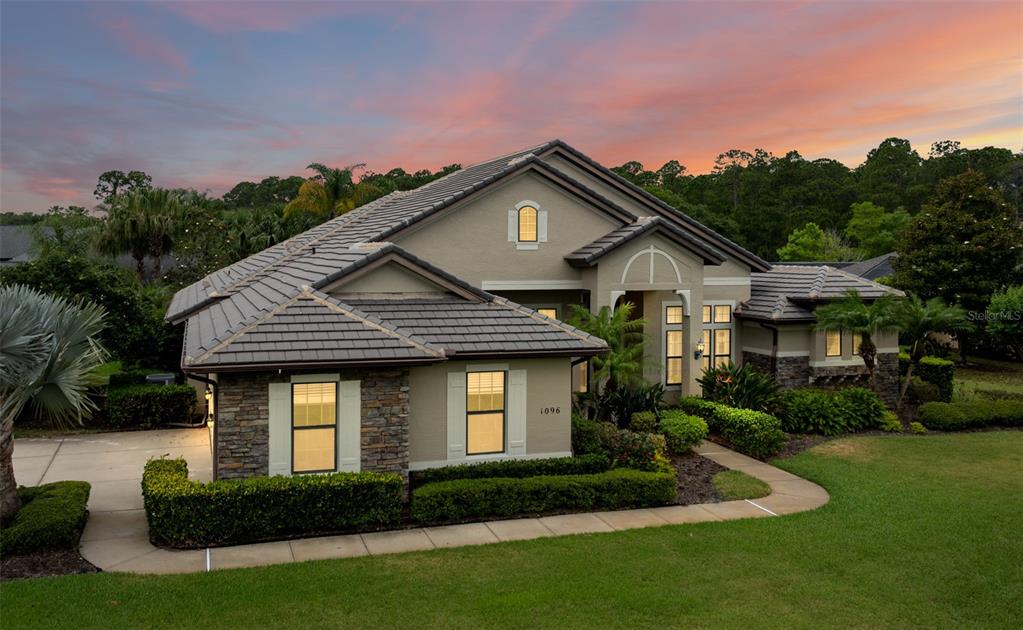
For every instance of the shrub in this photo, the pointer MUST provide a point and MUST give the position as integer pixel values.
(586, 436)
(185, 513)
(467, 499)
(755, 433)
(921, 391)
(582, 465)
(617, 404)
(147, 406)
(830, 412)
(134, 376)
(745, 387)
(644, 421)
(940, 372)
(971, 414)
(52, 516)
(862, 408)
(681, 431)
(629, 449)
(917, 428)
(890, 423)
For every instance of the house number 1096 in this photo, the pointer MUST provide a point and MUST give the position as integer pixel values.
(547, 411)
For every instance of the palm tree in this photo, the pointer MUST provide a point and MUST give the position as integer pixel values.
(48, 353)
(623, 363)
(331, 192)
(852, 314)
(142, 224)
(918, 319)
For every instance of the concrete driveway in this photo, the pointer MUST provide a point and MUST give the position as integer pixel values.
(116, 535)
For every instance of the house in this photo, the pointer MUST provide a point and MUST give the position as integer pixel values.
(872, 269)
(424, 329)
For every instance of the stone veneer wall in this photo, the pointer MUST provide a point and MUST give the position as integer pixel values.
(242, 424)
(762, 362)
(792, 371)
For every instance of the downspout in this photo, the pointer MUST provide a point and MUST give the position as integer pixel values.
(212, 384)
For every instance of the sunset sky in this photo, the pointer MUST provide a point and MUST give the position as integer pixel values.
(205, 95)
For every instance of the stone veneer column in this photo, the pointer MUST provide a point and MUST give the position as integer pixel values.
(793, 371)
(762, 362)
(886, 378)
(242, 424)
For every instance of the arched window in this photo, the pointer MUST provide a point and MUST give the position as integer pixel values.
(527, 224)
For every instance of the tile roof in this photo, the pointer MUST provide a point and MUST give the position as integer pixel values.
(589, 254)
(791, 292)
(873, 268)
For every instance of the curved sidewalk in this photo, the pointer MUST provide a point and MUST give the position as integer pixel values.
(118, 541)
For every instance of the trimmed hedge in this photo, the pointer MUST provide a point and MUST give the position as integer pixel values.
(940, 372)
(52, 516)
(147, 406)
(830, 412)
(971, 414)
(682, 431)
(643, 422)
(185, 513)
(626, 449)
(754, 433)
(582, 465)
(470, 499)
(136, 376)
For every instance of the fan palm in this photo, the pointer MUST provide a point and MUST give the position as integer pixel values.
(142, 224)
(867, 319)
(918, 319)
(48, 353)
(623, 363)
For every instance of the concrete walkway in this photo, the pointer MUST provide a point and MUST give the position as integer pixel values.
(115, 538)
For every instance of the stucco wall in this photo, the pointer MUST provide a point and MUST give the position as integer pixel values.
(548, 384)
(387, 278)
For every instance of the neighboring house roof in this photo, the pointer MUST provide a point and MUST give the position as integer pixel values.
(873, 268)
(589, 254)
(270, 318)
(790, 293)
(15, 243)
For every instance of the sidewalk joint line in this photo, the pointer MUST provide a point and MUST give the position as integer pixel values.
(52, 459)
(757, 505)
(209, 563)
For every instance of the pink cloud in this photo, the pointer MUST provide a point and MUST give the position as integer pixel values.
(148, 45)
(228, 16)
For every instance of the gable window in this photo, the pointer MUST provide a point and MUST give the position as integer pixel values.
(527, 224)
(485, 413)
(833, 343)
(717, 334)
(313, 427)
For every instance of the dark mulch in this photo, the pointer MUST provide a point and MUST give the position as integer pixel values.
(796, 444)
(695, 475)
(45, 563)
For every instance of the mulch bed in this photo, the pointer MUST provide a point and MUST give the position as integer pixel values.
(45, 563)
(695, 474)
(796, 444)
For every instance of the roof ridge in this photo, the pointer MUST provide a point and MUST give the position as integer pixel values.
(818, 282)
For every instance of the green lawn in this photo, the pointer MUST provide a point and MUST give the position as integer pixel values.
(988, 374)
(735, 484)
(920, 531)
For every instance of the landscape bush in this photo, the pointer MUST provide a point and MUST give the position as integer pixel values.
(917, 428)
(643, 421)
(586, 436)
(51, 517)
(682, 431)
(890, 423)
(583, 464)
(624, 448)
(755, 433)
(829, 412)
(975, 413)
(185, 513)
(146, 406)
(131, 376)
(745, 386)
(935, 370)
(469, 499)
(921, 391)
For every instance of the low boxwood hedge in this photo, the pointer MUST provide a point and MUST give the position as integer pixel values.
(146, 406)
(830, 412)
(935, 370)
(52, 516)
(582, 465)
(682, 431)
(469, 499)
(754, 433)
(971, 414)
(625, 449)
(185, 513)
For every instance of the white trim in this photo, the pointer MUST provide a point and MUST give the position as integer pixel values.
(650, 251)
(894, 350)
(756, 350)
(687, 299)
(837, 362)
(737, 281)
(316, 378)
(528, 285)
(784, 354)
(614, 297)
(486, 367)
(349, 426)
(527, 202)
(477, 459)
(516, 414)
(527, 247)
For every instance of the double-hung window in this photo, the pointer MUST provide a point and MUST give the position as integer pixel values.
(833, 343)
(717, 334)
(485, 413)
(674, 342)
(313, 427)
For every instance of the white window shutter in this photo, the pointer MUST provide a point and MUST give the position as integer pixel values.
(541, 226)
(350, 427)
(280, 429)
(513, 225)
(517, 406)
(456, 416)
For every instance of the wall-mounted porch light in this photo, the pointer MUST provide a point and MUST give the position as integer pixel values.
(699, 350)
